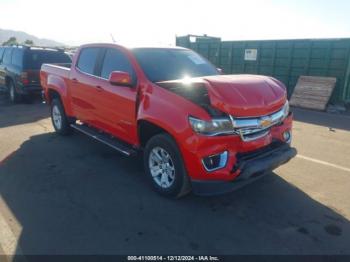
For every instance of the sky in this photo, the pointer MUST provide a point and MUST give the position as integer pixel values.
(157, 22)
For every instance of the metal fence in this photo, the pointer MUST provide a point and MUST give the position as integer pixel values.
(285, 60)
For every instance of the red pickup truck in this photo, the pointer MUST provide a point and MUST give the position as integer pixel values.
(198, 129)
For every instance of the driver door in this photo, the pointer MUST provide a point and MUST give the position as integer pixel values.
(116, 105)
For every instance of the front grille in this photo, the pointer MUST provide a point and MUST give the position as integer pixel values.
(252, 128)
(246, 156)
(250, 135)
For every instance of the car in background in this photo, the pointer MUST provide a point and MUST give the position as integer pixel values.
(20, 68)
(2, 50)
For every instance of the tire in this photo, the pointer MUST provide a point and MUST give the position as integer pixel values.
(14, 96)
(59, 119)
(169, 180)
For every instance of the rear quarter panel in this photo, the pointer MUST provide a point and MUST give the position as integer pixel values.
(56, 78)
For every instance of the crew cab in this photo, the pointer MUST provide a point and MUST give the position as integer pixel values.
(20, 68)
(198, 129)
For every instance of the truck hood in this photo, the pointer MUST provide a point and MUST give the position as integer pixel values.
(237, 95)
(246, 95)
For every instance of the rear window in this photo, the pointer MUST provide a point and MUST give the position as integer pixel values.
(35, 58)
(17, 57)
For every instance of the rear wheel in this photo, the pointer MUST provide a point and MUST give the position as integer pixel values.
(59, 119)
(14, 96)
(165, 168)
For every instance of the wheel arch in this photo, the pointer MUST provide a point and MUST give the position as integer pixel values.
(57, 88)
(146, 129)
(53, 94)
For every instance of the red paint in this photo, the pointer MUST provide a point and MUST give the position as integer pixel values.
(116, 109)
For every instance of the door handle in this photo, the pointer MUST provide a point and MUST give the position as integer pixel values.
(74, 80)
(99, 88)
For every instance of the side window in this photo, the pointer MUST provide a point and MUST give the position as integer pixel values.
(1, 53)
(87, 59)
(7, 56)
(115, 60)
(17, 57)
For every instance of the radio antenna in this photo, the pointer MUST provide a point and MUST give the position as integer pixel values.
(113, 40)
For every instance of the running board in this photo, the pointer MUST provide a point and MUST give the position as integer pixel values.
(106, 139)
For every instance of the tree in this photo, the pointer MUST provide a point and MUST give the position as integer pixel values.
(11, 41)
(29, 42)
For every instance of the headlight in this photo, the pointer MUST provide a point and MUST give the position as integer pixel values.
(286, 109)
(214, 127)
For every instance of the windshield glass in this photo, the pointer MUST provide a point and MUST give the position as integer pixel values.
(171, 64)
(35, 58)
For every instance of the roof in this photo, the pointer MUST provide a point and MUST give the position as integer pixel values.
(132, 47)
(28, 47)
(156, 47)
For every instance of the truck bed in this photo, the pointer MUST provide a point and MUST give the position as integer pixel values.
(58, 69)
(61, 71)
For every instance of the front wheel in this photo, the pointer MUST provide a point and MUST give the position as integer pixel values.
(59, 118)
(165, 168)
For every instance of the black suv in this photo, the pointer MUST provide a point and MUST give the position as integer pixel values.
(20, 68)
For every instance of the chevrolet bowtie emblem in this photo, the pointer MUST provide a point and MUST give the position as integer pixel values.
(265, 122)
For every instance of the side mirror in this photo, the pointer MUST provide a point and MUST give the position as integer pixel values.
(119, 78)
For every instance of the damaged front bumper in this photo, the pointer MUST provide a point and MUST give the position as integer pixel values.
(250, 166)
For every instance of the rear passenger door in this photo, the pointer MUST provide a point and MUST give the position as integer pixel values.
(116, 105)
(17, 67)
(84, 82)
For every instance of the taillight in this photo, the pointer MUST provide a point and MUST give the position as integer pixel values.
(24, 78)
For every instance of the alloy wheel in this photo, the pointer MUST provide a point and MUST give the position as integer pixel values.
(57, 117)
(161, 167)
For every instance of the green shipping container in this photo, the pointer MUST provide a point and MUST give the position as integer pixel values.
(285, 60)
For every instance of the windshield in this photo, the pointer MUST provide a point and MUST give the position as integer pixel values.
(35, 58)
(171, 64)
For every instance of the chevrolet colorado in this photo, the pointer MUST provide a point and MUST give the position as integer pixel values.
(198, 129)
